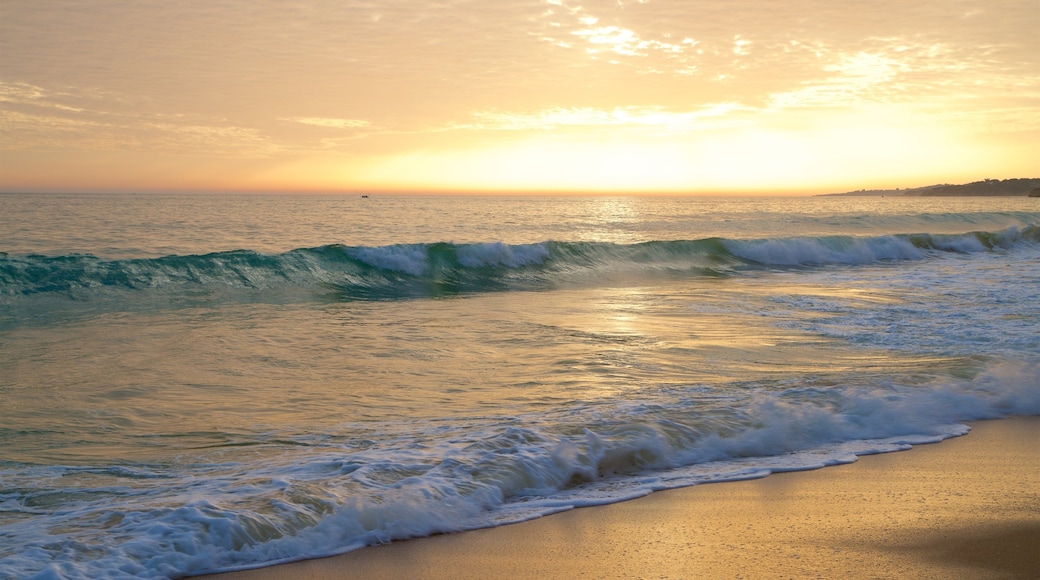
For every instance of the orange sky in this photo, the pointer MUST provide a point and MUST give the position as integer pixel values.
(794, 96)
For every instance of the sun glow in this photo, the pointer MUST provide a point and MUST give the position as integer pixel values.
(614, 151)
(493, 96)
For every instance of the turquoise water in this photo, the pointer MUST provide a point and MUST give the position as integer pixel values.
(199, 383)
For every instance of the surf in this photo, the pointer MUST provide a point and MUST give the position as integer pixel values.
(410, 271)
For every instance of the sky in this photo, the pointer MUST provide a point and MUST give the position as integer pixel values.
(640, 96)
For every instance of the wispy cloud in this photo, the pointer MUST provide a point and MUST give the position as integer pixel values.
(899, 69)
(33, 118)
(626, 42)
(573, 26)
(20, 93)
(562, 117)
(330, 123)
(267, 79)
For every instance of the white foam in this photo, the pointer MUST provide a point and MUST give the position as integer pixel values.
(816, 251)
(410, 259)
(415, 478)
(473, 474)
(499, 254)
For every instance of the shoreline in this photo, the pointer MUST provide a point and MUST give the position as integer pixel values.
(964, 507)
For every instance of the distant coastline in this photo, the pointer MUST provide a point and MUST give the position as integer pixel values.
(1022, 187)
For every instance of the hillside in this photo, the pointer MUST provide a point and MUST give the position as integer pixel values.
(988, 187)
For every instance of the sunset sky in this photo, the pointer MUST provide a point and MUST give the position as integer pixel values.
(792, 96)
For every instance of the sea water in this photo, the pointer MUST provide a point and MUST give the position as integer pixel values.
(192, 384)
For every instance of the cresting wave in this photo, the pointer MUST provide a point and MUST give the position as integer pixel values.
(438, 269)
(451, 477)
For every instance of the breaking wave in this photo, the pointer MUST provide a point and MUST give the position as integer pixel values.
(409, 271)
(229, 516)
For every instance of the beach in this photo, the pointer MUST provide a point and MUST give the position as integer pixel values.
(967, 507)
(298, 378)
(546, 289)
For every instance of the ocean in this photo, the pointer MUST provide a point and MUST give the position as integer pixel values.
(203, 383)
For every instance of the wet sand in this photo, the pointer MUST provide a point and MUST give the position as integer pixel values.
(968, 507)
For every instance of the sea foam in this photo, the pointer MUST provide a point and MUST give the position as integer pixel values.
(467, 477)
(602, 399)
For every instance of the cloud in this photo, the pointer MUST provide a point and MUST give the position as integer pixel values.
(268, 78)
(34, 118)
(904, 70)
(626, 42)
(562, 117)
(599, 39)
(13, 94)
(331, 123)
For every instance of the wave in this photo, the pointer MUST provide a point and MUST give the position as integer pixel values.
(230, 516)
(429, 270)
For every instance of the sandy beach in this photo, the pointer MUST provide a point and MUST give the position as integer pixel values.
(968, 507)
